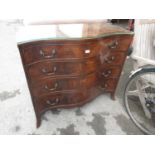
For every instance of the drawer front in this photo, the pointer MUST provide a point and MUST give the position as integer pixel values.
(120, 43)
(52, 85)
(89, 81)
(90, 65)
(108, 85)
(110, 58)
(49, 68)
(37, 53)
(109, 72)
(60, 99)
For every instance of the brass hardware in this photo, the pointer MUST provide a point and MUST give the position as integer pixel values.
(56, 101)
(47, 72)
(53, 53)
(52, 89)
(106, 74)
(113, 45)
(110, 60)
(103, 87)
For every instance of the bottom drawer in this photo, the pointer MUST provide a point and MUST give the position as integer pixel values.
(108, 85)
(60, 99)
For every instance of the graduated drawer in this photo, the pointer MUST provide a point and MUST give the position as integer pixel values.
(109, 72)
(52, 85)
(61, 99)
(50, 68)
(108, 85)
(37, 53)
(112, 58)
(120, 43)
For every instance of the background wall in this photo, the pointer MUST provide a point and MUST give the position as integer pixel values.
(144, 39)
(15, 103)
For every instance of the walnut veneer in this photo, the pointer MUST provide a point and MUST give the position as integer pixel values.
(66, 72)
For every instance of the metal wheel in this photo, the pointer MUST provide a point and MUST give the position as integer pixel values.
(139, 99)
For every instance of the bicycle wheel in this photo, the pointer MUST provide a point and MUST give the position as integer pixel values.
(139, 99)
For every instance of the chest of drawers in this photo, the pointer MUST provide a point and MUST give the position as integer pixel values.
(69, 72)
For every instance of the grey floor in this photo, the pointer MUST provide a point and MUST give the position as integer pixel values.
(99, 117)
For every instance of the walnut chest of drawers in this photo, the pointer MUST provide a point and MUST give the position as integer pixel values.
(66, 70)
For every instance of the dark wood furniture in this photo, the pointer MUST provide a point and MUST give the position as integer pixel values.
(68, 70)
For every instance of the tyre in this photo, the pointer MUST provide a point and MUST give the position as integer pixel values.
(139, 99)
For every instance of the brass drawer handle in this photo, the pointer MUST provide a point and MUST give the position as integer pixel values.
(47, 72)
(103, 87)
(110, 60)
(52, 89)
(107, 73)
(54, 102)
(53, 53)
(113, 45)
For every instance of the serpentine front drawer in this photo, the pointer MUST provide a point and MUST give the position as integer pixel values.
(67, 69)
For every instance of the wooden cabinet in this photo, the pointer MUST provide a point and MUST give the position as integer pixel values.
(64, 73)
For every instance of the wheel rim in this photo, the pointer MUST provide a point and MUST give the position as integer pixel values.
(140, 115)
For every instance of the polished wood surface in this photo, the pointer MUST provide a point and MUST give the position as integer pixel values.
(72, 31)
(60, 52)
(61, 99)
(68, 73)
(52, 85)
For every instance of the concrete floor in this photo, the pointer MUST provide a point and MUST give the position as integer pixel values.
(99, 117)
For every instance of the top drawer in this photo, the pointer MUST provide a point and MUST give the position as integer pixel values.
(117, 43)
(67, 51)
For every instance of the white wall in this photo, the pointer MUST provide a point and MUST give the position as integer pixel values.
(144, 38)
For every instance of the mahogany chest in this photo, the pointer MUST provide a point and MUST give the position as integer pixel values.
(68, 70)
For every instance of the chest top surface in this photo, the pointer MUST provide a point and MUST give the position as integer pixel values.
(80, 31)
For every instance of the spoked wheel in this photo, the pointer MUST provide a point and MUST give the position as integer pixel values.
(139, 99)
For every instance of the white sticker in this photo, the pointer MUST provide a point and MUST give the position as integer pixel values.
(87, 51)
